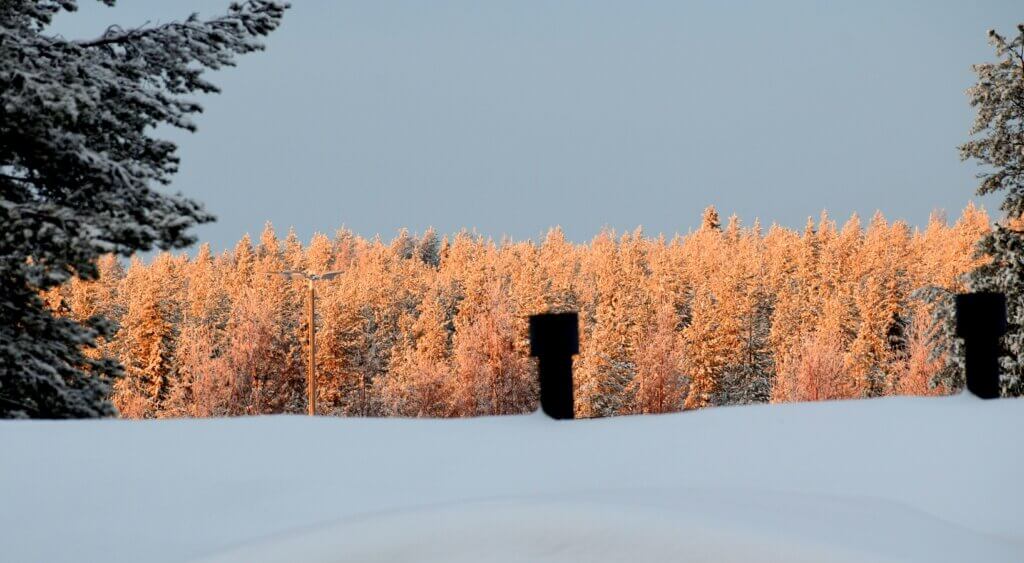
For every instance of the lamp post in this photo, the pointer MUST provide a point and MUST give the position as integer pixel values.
(311, 364)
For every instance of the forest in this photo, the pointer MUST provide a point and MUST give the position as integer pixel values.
(431, 326)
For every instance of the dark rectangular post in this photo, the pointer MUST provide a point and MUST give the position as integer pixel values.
(981, 322)
(554, 340)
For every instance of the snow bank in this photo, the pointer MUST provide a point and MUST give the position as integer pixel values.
(888, 479)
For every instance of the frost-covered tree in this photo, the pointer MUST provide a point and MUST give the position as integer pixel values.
(428, 248)
(418, 382)
(920, 363)
(748, 379)
(619, 308)
(880, 302)
(404, 245)
(490, 375)
(660, 383)
(148, 336)
(998, 145)
(79, 168)
(955, 250)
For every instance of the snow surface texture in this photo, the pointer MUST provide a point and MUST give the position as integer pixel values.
(882, 480)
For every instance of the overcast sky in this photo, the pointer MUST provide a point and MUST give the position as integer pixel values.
(516, 116)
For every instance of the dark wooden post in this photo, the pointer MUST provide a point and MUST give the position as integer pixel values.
(554, 340)
(981, 322)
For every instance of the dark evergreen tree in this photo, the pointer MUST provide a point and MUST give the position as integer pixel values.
(78, 166)
(998, 145)
(428, 248)
(404, 245)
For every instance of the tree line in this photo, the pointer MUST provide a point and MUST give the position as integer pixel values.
(430, 326)
(424, 326)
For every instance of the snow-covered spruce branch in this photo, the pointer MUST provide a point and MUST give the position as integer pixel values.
(257, 17)
(78, 161)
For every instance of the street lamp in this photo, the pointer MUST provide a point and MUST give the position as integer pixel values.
(311, 365)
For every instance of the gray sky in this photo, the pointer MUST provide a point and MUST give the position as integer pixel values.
(513, 117)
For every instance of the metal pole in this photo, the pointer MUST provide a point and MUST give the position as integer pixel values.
(311, 377)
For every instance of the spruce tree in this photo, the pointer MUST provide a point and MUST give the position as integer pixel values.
(148, 334)
(748, 378)
(403, 246)
(559, 263)
(418, 381)
(79, 164)
(491, 376)
(660, 384)
(880, 301)
(428, 248)
(997, 144)
(791, 272)
(320, 254)
(612, 325)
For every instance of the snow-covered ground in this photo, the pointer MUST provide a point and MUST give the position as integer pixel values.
(884, 480)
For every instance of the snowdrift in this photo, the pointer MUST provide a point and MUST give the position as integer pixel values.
(897, 479)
